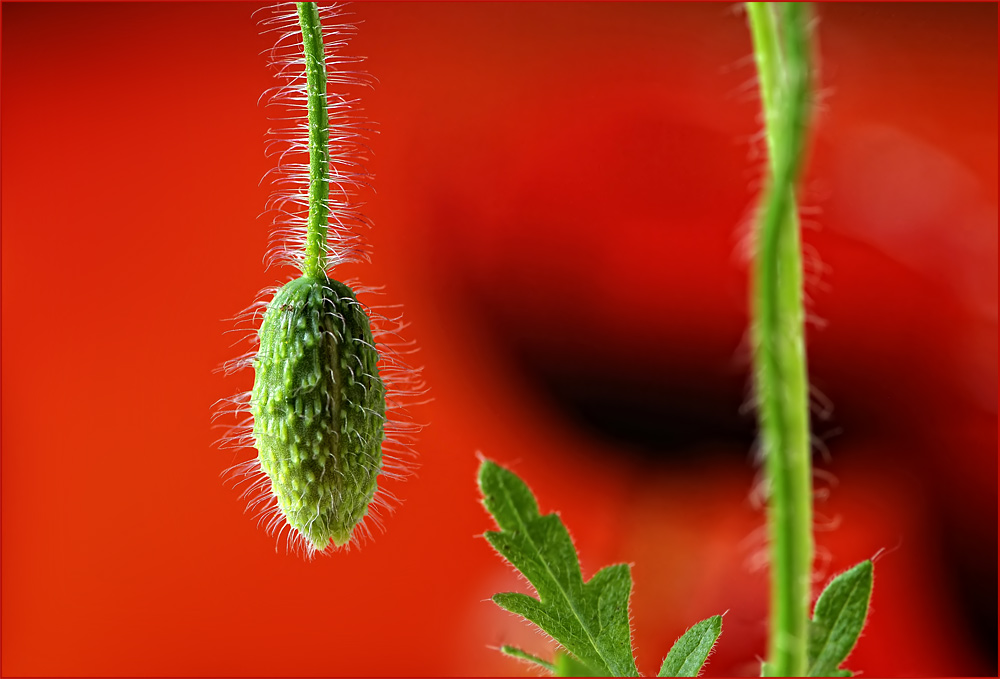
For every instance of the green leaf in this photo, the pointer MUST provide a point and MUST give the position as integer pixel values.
(590, 620)
(515, 652)
(568, 666)
(689, 653)
(837, 620)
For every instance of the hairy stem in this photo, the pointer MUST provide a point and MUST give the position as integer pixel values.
(781, 48)
(319, 137)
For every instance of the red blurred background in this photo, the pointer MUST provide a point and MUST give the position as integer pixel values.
(563, 195)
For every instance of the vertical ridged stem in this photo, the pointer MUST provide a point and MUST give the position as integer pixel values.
(781, 48)
(314, 263)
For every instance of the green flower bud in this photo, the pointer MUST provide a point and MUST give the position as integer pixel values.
(318, 406)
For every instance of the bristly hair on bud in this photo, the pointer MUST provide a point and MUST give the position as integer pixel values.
(328, 413)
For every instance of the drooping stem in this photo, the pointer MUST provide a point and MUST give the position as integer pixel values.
(319, 138)
(781, 48)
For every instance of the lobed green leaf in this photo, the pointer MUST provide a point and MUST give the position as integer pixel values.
(589, 619)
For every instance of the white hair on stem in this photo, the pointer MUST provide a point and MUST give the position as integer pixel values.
(288, 143)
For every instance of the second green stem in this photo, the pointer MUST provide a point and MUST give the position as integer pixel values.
(781, 49)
